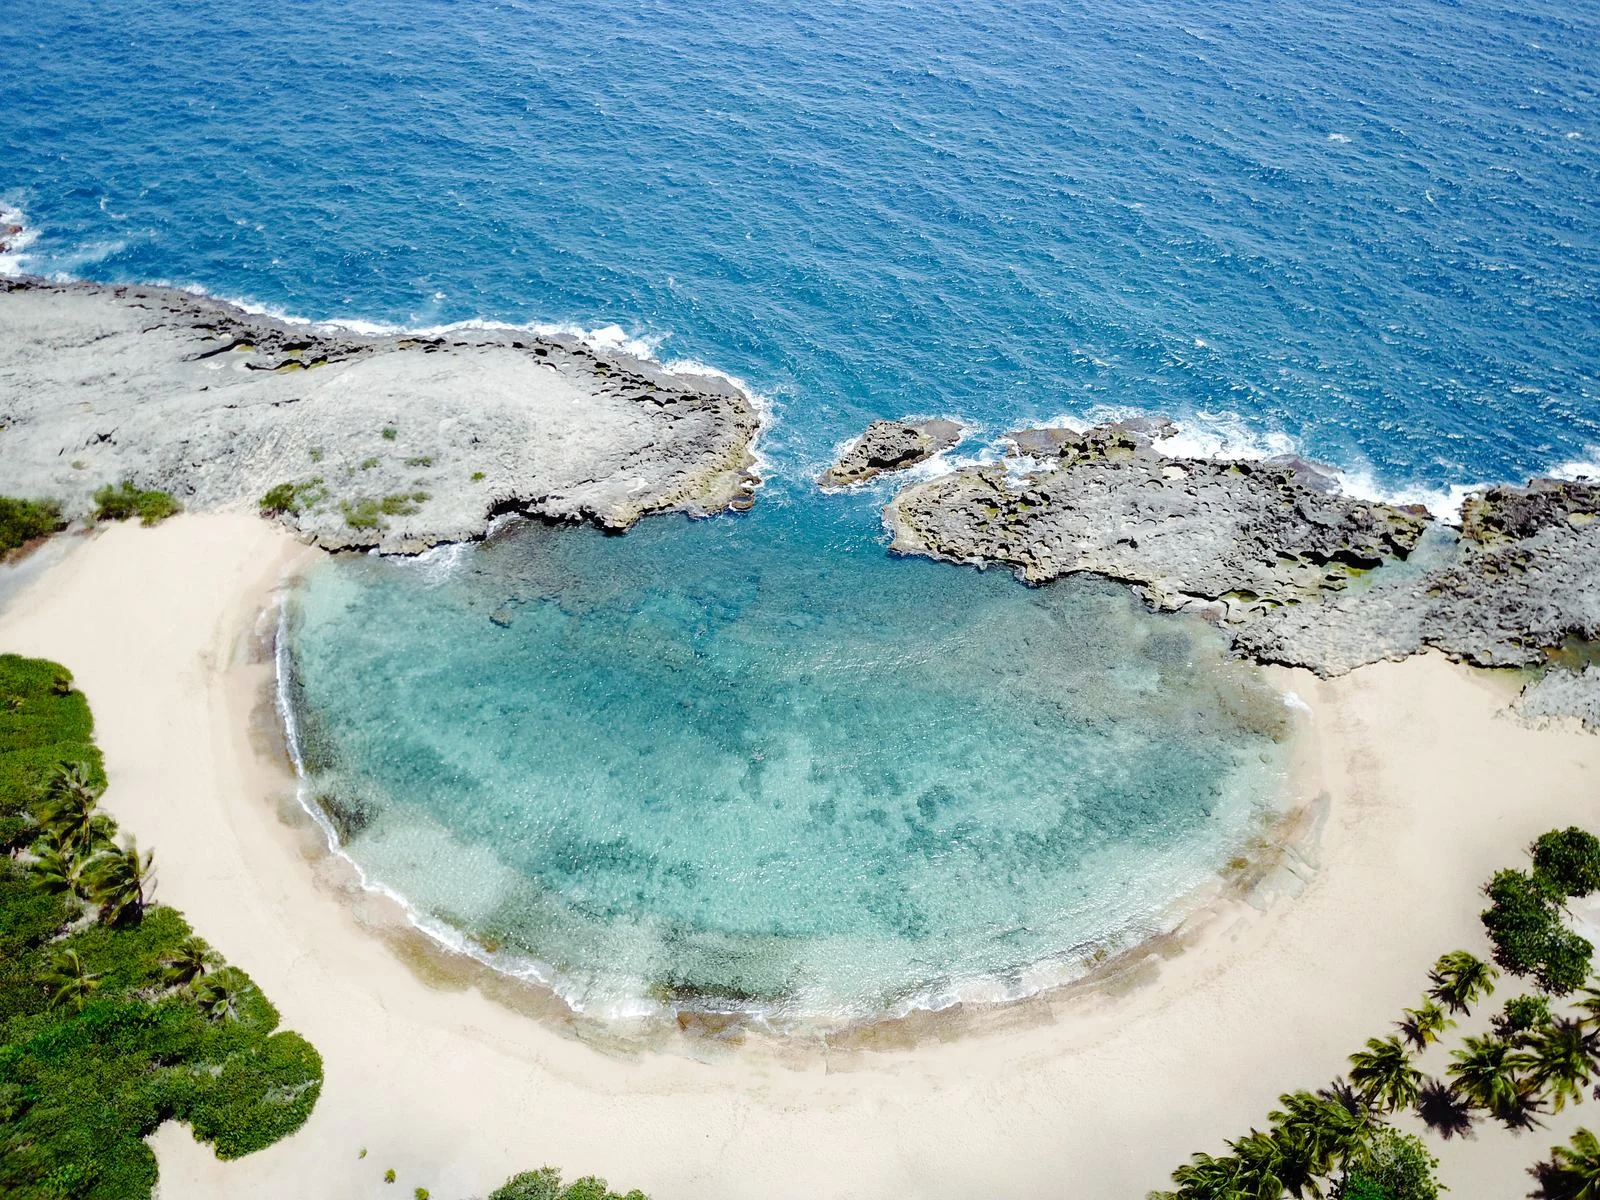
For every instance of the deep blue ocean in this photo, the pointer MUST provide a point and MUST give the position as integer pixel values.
(1374, 228)
(755, 758)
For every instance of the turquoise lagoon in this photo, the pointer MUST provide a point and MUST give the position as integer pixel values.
(757, 763)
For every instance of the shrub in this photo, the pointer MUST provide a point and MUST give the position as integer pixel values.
(1393, 1166)
(388, 1176)
(1520, 1014)
(1524, 923)
(545, 1184)
(390, 433)
(81, 1088)
(400, 505)
(420, 460)
(23, 520)
(368, 463)
(293, 498)
(421, 1193)
(125, 500)
(362, 514)
(478, 477)
(1568, 861)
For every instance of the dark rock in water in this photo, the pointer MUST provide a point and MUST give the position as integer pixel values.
(501, 617)
(890, 446)
(1298, 573)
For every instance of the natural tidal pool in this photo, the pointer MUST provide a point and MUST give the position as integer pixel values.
(756, 762)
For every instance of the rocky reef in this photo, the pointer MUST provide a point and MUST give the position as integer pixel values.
(890, 446)
(1272, 551)
(399, 442)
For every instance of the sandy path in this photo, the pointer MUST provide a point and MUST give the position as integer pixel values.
(1092, 1096)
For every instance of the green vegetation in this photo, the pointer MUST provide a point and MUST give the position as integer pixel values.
(293, 498)
(1338, 1142)
(368, 463)
(545, 1184)
(125, 500)
(478, 477)
(114, 1015)
(390, 433)
(420, 1193)
(23, 520)
(388, 1176)
(316, 454)
(367, 513)
(420, 460)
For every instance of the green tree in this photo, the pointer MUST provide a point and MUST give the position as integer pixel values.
(218, 999)
(1384, 1076)
(188, 962)
(1422, 1025)
(70, 981)
(1460, 979)
(1324, 1131)
(1486, 1073)
(1568, 860)
(120, 882)
(1573, 1172)
(1559, 1061)
(1524, 923)
(58, 873)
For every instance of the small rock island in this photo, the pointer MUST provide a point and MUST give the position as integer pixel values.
(890, 446)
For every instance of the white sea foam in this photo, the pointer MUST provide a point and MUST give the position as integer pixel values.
(14, 261)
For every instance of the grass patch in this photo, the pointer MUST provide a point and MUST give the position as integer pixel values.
(23, 520)
(478, 477)
(368, 463)
(109, 1028)
(390, 433)
(118, 503)
(420, 460)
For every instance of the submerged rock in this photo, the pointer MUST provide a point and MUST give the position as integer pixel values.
(1271, 550)
(890, 446)
(399, 442)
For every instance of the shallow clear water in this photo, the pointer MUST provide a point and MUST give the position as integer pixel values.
(706, 761)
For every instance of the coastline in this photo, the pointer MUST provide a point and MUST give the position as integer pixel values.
(1113, 1083)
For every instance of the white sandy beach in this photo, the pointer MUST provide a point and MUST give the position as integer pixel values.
(1087, 1096)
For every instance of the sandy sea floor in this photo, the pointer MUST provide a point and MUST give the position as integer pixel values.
(1094, 1092)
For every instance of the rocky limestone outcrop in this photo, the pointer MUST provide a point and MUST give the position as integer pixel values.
(1271, 550)
(890, 446)
(1562, 693)
(399, 442)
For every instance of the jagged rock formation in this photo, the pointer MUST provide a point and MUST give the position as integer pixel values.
(890, 446)
(1562, 693)
(1271, 550)
(397, 442)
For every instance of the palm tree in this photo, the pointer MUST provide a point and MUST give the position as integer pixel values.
(58, 873)
(217, 999)
(1266, 1166)
(1573, 1172)
(1560, 1060)
(1460, 980)
(73, 781)
(119, 882)
(1383, 1074)
(1443, 1109)
(189, 960)
(1424, 1024)
(1485, 1073)
(1588, 1003)
(70, 981)
(1323, 1130)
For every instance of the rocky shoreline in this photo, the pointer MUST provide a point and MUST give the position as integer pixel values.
(396, 442)
(1295, 572)
(890, 446)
